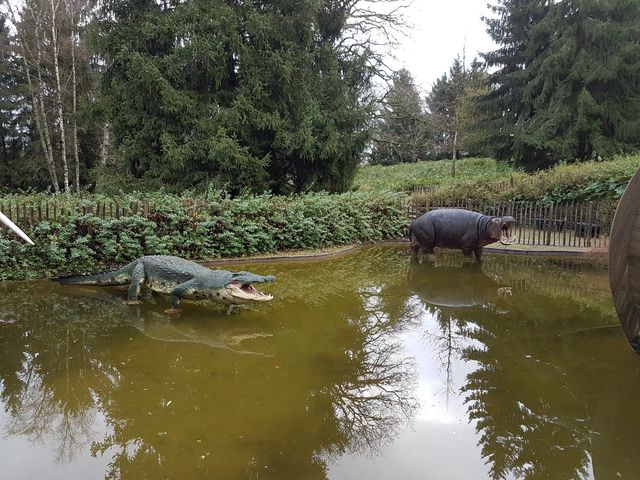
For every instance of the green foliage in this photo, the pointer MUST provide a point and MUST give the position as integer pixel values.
(587, 181)
(403, 178)
(200, 227)
(504, 108)
(566, 80)
(402, 132)
(250, 96)
(13, 111)
(452, 107)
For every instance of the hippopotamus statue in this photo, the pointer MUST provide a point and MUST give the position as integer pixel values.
(459, 229)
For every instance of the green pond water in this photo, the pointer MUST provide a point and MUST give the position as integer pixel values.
(365, 366)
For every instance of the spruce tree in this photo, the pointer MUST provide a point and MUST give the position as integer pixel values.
(504, 106)
(453, 109)
(402, 133)
(442, 102)
(14, 125)
(473, 141)
(168, 87)
(254, 95)
(584, 92)
(566, 82)
(300, 95)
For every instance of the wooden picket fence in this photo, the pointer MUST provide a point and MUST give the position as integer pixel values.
(27, 214)
(567, 224)
(556, 224)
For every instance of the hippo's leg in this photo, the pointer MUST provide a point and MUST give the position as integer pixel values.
(431, 256)
(478, 252)
(428, 251)
(468, 252)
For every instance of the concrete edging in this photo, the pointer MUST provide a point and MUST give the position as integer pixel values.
(355, 248)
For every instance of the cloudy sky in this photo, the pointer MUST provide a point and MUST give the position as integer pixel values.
(438, 34)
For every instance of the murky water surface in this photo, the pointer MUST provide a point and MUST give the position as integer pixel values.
(364, 366)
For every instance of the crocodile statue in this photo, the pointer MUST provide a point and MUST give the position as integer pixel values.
(181, 279)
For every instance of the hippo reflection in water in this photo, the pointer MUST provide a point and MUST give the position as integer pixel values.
(459, 229)
(456, 287)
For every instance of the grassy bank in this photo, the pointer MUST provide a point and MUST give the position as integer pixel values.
(204, 227)
(490, 181)
(404, 177)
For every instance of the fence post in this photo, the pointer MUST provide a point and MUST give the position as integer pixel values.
(589, 223)
(550, 224)
(581, 226)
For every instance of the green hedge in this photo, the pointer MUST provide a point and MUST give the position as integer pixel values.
(203, 227)
(587, 181)
(484, 179)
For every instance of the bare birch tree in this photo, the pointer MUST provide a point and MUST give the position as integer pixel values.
(74, 86)
(60, 113)
(48, 36)
(26, 44)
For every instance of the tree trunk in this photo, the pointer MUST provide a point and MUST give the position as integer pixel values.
(43, 130)
(36, 91)
(40, 111)
(56, 64)
(6, 178)
(104, 148)
(454, 156)
(76, 153)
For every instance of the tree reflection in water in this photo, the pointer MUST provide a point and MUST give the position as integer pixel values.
(45, 366)
(548, 368)
(444, 290)
(272, 393)
(277, 391)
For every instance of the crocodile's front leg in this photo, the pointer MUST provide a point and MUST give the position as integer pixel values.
(187, 288)
(137, 278)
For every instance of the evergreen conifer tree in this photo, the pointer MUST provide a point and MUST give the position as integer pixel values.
(453, 109)
(566, 81)
(583, 95)
(504, 106)
(14, 125)
(253, 95)
(402, 133)
(442, 102)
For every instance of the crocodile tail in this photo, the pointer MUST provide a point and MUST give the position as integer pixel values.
(117, 277)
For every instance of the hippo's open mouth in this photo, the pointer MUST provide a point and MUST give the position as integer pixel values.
(246, 291)
(505, 235)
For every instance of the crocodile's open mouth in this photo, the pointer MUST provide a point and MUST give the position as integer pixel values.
(246, 291)
(505, 235)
